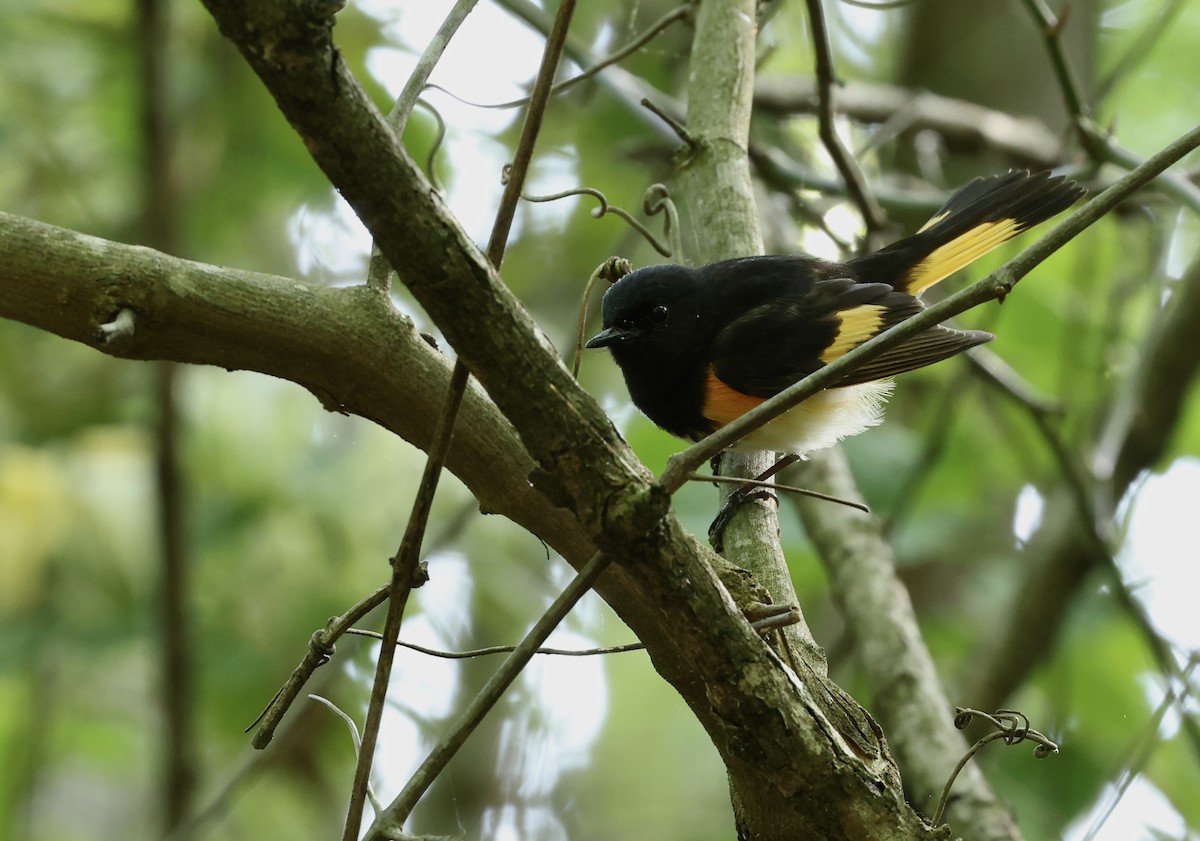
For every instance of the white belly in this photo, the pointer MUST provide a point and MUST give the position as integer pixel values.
(822, 420)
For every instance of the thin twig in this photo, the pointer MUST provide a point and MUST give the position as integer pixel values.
(354, 737)
(606, 208)
(378, 271)
(406, 561)
(404, 577)
(1051, 27)
(1177, 186)
(320, 649)
(503, 649)
(519, 168)
(773, 486)
(856, 182)
(999, 373)
(678, 13)
(1100, 146)
(1011, 726)
(612, 270)
(407, 100)
(996, 285)
(675, 125)
(656, 200)
(439, 138)
(392, 819)
(322, 644)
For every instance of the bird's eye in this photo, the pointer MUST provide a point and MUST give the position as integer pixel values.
(659, 314)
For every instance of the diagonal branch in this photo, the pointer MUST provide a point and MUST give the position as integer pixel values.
(347, 346)
(710, 654)
(405, 564)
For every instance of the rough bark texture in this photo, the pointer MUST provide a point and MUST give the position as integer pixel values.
(802, 777)
(717, 187)
(716, 181)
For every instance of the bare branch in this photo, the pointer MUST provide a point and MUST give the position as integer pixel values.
(405, 564)
(1025, 140)
(677, 14)
(379, 271)
(504, 649)
(1051, 26)
(405, 576)
(407, 100)
(856, 182)
(391, 820)
(583, 464)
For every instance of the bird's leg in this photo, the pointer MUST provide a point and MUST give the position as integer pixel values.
(716, 532)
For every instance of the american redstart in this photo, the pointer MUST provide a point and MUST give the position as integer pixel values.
(702, 346)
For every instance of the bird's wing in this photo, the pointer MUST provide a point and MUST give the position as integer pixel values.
(776, 344)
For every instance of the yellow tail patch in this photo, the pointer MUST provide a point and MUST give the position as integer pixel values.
(949, 258)
(858, 324)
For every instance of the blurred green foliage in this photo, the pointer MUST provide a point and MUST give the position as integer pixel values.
(292, 512)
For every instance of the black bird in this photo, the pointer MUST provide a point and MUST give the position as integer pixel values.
(702, 346)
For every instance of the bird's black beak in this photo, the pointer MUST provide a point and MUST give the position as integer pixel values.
(608, 336)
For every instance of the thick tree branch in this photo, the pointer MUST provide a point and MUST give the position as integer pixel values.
(715, 177)
(698, 640)
(663, 582)
(349, 347)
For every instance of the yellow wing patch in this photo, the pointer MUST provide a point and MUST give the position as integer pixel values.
(858, 324)
(723, 404)
(949, 258)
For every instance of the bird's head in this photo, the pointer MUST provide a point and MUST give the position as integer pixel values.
(656, 311)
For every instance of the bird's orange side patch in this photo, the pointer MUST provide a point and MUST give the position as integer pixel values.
(949, 258)
(858, 324)
(723, 404)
